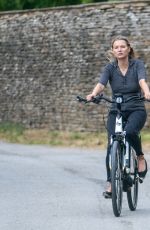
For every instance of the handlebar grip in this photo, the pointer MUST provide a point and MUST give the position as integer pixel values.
(95, 100)
(80, 99)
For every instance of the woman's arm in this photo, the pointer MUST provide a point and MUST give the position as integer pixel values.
(97, 90)
(145, 88)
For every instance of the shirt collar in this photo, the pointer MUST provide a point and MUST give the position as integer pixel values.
(131, 62)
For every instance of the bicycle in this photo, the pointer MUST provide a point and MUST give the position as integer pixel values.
(122, 159)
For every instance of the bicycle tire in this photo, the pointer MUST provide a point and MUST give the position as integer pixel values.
(116, 178)
(132, 192)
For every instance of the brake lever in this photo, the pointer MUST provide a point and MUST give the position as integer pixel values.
(80, 99)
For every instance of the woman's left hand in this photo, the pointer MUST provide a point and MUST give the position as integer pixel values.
(145, 88)
(147, 95)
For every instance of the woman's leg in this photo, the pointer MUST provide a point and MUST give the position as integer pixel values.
(111, 130)
(107, 164)
(135, 123)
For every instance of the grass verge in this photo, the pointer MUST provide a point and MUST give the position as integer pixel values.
(16, 133)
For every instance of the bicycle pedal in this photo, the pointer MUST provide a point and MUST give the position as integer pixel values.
(141, 180)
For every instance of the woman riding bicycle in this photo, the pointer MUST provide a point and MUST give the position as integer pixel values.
(126, 76)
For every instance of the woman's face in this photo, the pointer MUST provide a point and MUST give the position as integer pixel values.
(120, 49)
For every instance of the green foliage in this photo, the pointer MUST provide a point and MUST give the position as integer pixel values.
(6, 5)
(11, 128)
(11, 131)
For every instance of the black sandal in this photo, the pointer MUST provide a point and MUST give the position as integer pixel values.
(107, 195)
(142, 174)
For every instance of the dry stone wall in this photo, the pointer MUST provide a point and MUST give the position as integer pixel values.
(49, 56)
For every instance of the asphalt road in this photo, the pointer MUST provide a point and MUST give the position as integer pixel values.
(43, 188)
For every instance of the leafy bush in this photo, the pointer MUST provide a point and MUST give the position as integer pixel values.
(32, 4)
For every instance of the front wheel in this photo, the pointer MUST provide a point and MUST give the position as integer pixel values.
(116, 178)
(132, 192)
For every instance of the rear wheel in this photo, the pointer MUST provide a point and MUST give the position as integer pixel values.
(116, 178)
(132, 192)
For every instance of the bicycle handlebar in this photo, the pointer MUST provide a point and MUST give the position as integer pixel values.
(95, 100)
(98, 98)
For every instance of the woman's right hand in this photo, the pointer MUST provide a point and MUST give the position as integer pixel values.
(97, 90)
(90, 96)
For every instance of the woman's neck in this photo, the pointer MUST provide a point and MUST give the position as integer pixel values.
(123, 66)
(123, 63)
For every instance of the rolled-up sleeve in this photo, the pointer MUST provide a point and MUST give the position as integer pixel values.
(141, 71)
(105, 75)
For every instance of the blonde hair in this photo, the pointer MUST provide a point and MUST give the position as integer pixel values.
(110, 56)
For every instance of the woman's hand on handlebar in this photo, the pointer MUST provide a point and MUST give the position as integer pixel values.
(147, 96)
(145, 88)
(96, 91)
(90, 97)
